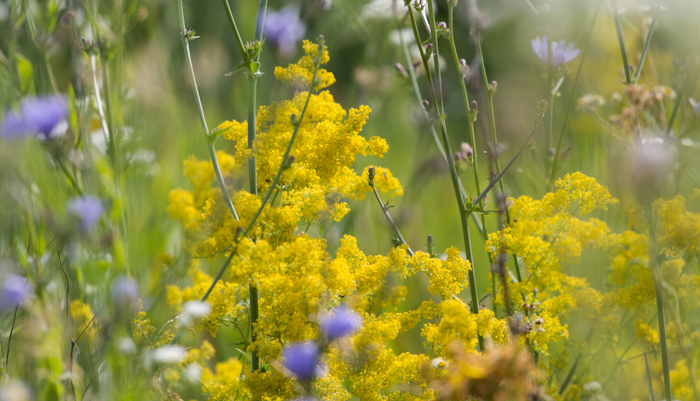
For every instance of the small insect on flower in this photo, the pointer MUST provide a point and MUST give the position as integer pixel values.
(15, 289)
(340, 323)
(88, 209)
(561, 52)
(301, 359)
(36, 115)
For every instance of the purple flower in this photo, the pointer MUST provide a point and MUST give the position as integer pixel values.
(284, 29)
(125, 290)
(14, 291)
(341, 323)
(36, 115)
(301, 359)
(88, 209)
(561, 52)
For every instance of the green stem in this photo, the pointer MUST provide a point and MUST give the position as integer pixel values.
(202, 117)
(569, 376)
(659, 302)
(234, 28)
(555, 163)
(393, 225)
(686, 82)
(464, 218)
(621, 39)
(252, 171)
(638, 72)
(436, 58)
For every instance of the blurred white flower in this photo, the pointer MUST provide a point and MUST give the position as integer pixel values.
(126, 345)
(15, 391)
(192, 373)
(382, 9)
(169, 354)
(193, 310)
(561, 52)
(696, 106)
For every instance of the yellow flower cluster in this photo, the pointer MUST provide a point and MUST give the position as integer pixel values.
(83, 315)
(543, 234)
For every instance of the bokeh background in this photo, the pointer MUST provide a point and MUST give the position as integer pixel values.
(159, 127)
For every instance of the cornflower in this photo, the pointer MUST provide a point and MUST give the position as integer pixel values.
(561, 52)
(301, 359)
(88, 209)
(36, 115)
(284, 29)
(15, 289)
(341, 323)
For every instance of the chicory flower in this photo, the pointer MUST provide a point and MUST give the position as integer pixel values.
(88, 209)
(284, 29)
(341, 323)
(561, 52)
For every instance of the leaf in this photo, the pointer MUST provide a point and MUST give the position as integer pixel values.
(24, 69)
(248, 65)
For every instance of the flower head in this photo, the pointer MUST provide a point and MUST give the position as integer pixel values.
(36, 115)
(88, 209)
(125, 290)
(169, 354)
(341, 323)
(14, 291)
(301, 359)
(284, 29)
(561, 52)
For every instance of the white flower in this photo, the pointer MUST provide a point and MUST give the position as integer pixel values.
(193, 310)
(169, 354)
(696, 106)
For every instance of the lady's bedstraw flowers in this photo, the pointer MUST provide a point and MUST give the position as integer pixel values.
(341, 323)
(38, 115)
(561, 52)
(284, 29)
(15, 289)
(88, 209)
(301, 359)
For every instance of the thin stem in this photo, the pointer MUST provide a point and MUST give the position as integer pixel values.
(659, 302)
(200, 111)
(252, 170)
(650, 385)
(385, 210)
(98, 99)
(686, 82)
(555, 163)
(512, 160)
(436, 51)
(9, 339)
(106, 80)
(638, 72)
(569, 376)
(621, 39)
(234, 28)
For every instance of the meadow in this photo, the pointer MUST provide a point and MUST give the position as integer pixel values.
(349, 200)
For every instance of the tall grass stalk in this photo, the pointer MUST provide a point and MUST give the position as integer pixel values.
(464, 218)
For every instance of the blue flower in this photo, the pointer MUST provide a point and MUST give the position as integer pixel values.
(561, 52)
(301, 359)
(284, 29)
(14, 291)
(341, 323)
(36, 115)
(88, 209)
(125, 291)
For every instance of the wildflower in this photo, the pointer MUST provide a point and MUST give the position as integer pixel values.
(88, 209)
(589, 102)
(341, 323)
(169, 354)
(696, 106)
(36, 115)
(14, 291)
(301, 359)
(125, 291)
(284, 29)
(561, 52)
(194, 310)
